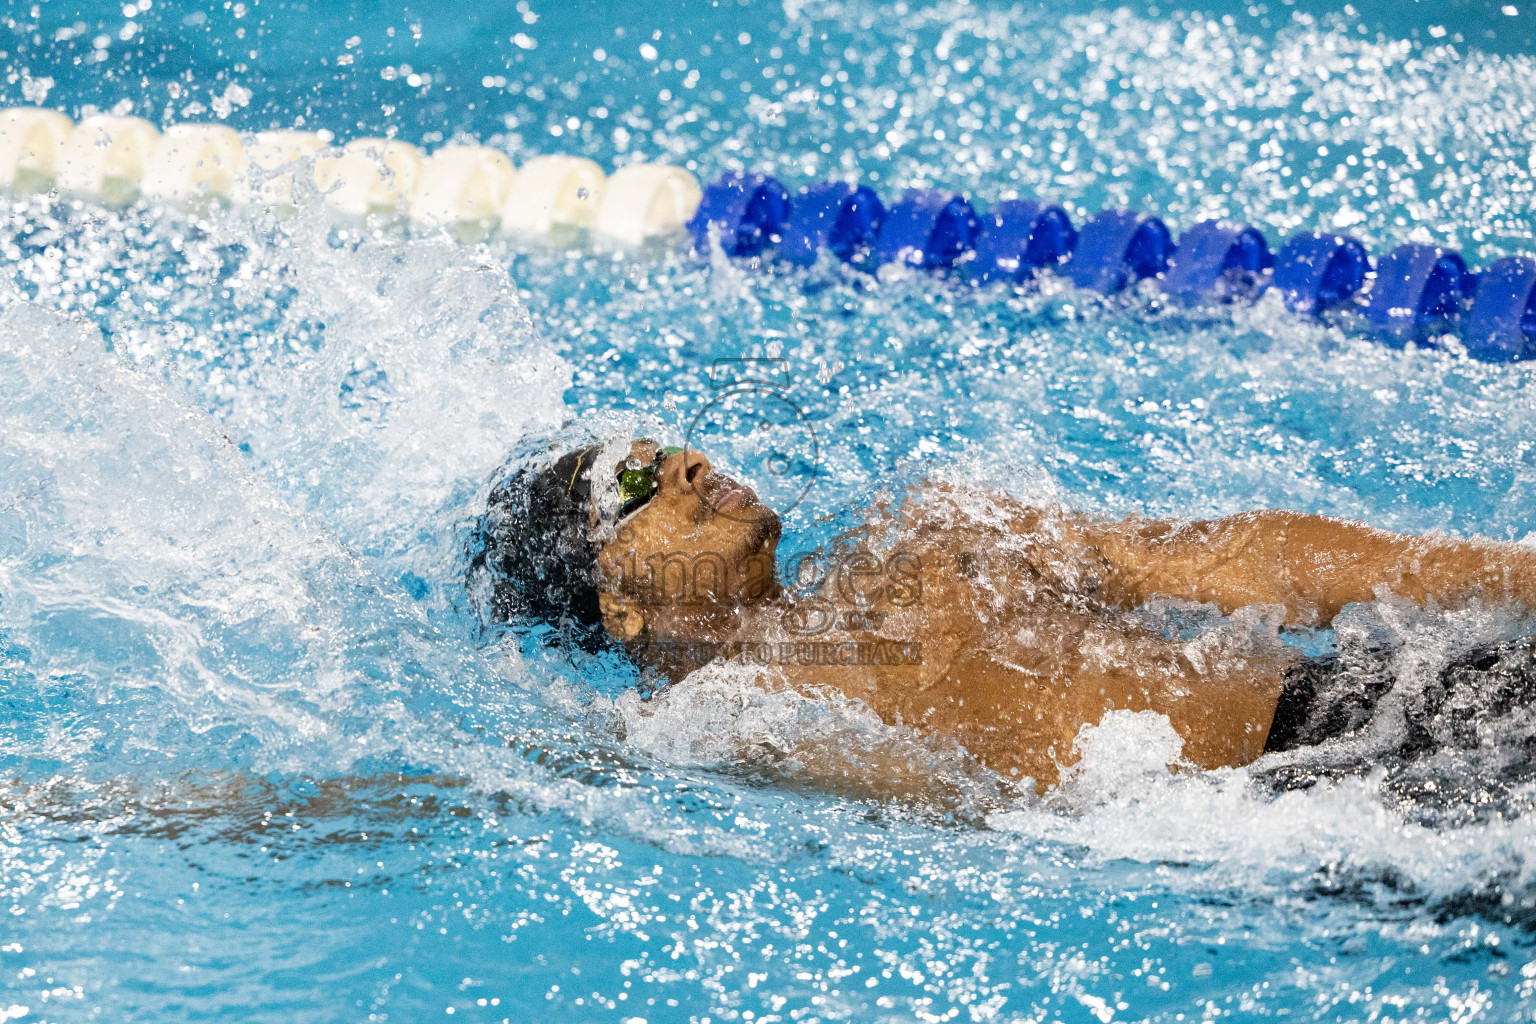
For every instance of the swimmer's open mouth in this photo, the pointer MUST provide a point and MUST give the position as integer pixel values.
(722, 492)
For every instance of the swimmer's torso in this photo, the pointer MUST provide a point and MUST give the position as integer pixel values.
(1016, 649)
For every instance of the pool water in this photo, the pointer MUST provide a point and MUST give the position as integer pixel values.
(260, 760)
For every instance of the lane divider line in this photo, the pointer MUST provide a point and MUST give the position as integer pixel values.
(1415, 292)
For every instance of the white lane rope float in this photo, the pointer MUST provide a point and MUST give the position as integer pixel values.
(112, 159)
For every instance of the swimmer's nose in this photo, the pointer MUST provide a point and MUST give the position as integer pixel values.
(685, 469)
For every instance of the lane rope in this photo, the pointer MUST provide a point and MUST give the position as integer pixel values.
(1415, 292)
(112, 159)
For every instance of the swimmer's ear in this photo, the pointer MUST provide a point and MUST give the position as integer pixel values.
(618, 618)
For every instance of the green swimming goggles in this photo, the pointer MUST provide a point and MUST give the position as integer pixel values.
(638, 486)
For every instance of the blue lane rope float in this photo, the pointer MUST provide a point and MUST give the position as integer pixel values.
(1502, 325)
(927, 228)
(1416, 287)
(841, 218)
(1217, 259)
(745, 211)
(1417, 292)
(1116, 248)
(1018, 237)
(1315, 271)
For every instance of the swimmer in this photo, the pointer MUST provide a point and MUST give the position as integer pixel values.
(1005, 627)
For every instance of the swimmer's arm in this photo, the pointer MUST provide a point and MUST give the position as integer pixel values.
(1312, 565)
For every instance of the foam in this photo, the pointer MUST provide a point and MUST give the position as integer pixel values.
(150, 522)
(237, 608)
(729, 716)
(208, 625)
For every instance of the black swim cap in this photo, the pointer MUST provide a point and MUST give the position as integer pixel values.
(534, 543)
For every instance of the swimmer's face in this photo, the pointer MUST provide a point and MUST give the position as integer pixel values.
(701, 540)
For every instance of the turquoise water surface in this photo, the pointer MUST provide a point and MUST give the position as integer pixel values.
(259, 761)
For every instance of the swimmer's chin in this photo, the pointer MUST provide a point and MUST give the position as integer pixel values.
(726, 496)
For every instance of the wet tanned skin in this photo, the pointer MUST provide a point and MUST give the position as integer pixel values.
(1019, 612)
